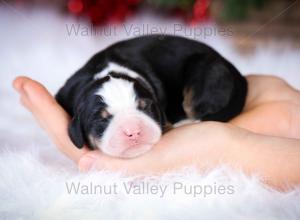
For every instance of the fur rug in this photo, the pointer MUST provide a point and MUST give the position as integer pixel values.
(37, 182)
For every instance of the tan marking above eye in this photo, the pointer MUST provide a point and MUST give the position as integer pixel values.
(104, 113)
(142, 104)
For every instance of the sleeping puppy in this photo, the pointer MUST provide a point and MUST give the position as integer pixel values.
(124, 97)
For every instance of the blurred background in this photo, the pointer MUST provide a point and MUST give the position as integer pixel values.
(49, 40)
(253, 22)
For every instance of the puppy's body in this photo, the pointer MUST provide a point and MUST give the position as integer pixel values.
(181, 78)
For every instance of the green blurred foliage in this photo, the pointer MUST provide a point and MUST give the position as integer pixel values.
(240, 9)
(172, 4)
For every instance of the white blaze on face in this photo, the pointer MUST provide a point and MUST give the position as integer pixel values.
(114, 67)
(130, 132)
(118, 94)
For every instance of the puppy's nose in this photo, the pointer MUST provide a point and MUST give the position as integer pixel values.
(132, 132)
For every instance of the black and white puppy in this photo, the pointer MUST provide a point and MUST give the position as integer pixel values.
(123, 98)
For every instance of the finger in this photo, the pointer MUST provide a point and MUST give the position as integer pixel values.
(18, 85)
(145, 164)
(22, 83)
(49, 114)
(96, 160)
(40, 102)
(88, 160)
(19, 81)
(259, 119)
(25, 102)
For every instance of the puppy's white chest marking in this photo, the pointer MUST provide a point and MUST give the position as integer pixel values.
(114, 67)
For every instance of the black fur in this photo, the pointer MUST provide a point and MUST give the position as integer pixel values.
(170, 65)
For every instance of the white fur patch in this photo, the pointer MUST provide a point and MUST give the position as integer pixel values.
(118, 94)
(117, 68)
(185, 122)
(114, 67)
(150, 130)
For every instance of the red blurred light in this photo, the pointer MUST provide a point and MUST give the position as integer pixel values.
(75, 6)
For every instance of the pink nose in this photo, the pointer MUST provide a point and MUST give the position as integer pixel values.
(132, 132)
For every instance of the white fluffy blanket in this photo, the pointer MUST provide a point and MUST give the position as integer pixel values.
(37, 182)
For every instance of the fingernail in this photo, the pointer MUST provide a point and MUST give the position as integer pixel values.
(19, 87)
(16, 85)
(86, 163)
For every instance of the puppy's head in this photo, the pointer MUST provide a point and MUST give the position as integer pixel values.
(119, 115)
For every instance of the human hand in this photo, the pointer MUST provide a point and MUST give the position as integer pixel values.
(49, 114)
(180, 147)
(204, 145)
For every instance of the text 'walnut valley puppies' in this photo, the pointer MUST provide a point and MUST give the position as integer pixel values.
(123, 98)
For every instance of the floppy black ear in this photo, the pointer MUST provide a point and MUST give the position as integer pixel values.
(76, 133)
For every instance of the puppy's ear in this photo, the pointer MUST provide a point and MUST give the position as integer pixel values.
(76, 132)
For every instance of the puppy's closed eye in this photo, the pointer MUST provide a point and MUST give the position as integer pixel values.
(144, 103)
(104, 114)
